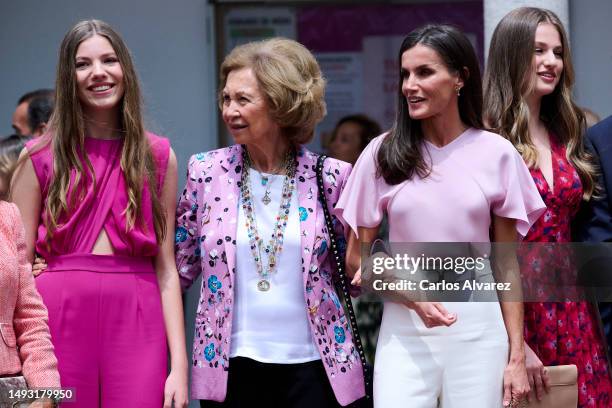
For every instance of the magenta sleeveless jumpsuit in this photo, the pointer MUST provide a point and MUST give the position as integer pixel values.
(105, 312)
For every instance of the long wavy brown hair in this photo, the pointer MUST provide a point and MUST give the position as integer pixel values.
(509, 80)
(67, 130)
(400, 157)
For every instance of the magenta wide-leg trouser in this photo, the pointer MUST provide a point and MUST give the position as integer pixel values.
(107, 326)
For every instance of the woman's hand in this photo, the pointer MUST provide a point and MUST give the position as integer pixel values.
(433, 314)
(353, 253)
(536, 373)
(364, 272)
(357, 278)
(176, 389)
(516, 385)
(38, 266)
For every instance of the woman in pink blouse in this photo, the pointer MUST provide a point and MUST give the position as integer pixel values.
(97, 195)
(440, 178)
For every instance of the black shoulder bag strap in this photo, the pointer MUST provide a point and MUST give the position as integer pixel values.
(342, 279)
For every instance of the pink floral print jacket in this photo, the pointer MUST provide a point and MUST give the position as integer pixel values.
(206, 244)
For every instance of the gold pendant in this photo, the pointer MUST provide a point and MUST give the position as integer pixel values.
(263, 285)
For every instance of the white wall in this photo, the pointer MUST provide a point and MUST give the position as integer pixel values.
(591, 43)
(495, 10)
(591, 36)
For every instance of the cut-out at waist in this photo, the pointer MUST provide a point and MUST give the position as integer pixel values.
(103, 245)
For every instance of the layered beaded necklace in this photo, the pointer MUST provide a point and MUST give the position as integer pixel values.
(273, 249)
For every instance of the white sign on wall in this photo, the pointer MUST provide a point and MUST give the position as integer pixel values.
(382, 73)
(343, 94)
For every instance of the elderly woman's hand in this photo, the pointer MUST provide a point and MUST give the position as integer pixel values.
(38, 266)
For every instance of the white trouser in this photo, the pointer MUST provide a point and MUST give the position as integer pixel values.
(460, 366)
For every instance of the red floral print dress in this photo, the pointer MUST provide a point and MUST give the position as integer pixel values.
(566, 332)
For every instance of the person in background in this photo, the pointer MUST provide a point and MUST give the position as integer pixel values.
(350, 136)
(10, 147)
(531, 104)
(97, 194)
(40, 110)
(33, 112)
(270, 328)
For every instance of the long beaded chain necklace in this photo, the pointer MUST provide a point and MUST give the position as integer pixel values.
(274, 247)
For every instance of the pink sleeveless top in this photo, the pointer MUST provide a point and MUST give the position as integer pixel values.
(102, 207)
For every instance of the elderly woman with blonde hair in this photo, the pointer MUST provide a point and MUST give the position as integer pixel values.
(269, 325)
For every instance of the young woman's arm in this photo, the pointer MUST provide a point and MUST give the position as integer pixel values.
(516, 384)
(167, 276)
(25, 193)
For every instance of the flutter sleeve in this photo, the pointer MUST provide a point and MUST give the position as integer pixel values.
(517, 196)
(363, 200)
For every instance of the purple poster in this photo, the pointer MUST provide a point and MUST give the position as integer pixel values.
(342, 28)
(357, 47)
